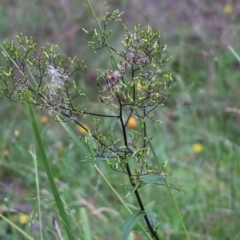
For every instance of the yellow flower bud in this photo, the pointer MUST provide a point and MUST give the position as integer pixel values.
(5, 153)
(227, 9)
(44, 119)
(132, 123)
(16, 133)
(23, 219)
(198, 148)
(82, 130)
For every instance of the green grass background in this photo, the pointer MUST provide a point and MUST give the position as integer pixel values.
(205, 90)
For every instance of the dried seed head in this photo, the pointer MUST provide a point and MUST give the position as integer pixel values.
(58, 77)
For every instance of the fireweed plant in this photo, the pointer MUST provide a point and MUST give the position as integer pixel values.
(135, 85)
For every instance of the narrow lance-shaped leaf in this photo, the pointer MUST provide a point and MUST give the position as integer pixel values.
(130, 224)
(157, 179)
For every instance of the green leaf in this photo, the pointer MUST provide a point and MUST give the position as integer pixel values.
(150, 205)
(113, 124)
(130, 224)
(157, 179)
(133, 207)
(92, 145)
(152, 219)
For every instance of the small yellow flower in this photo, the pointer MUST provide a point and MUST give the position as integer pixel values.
(132, 123)
(142, 86)
(5, 153)
(16, 133)
(44, 119)
(227, 9)
(23, 219)
(198, 148)
(82, 130)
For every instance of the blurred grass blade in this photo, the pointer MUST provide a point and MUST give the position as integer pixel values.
(38, 192)
(131, 236)
(43, 157)
(85, 224)
(73, 135)
(234, 53)
(130, 223)
(13, 225)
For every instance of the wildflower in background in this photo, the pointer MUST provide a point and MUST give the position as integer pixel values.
(16, 133)
(227, 9)
(132, 123)
(82, 130)
(198, 148)
(44, 119)
(23, 219)
(5, 153)
(60, 149)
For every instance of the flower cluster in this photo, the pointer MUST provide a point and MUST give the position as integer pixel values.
(42, 73)
(134, 86)
(140, 66)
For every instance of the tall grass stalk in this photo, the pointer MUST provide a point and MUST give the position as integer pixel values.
(234, 53)
(38, 193)
(43, 157)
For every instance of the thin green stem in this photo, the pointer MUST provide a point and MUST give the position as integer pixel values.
(169, 191)
(38, 193)
(102, 33)
(120, 199)
(234, 53)
(13, 225)
(154, 154)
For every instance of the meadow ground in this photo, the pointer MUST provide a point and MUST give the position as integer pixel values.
(198, 137)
